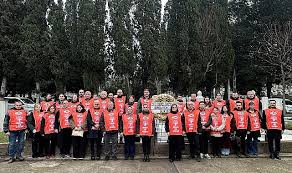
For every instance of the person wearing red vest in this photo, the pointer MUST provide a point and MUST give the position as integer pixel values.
(192, 126)
(110, 96)
(78, 122)
(226, 145)
(74, 102)
(195, 101)
(251, 97)
(95, 96)
(174, 129)
(87, 101)
(132, 103)
(45, 104)
(49, 129)
(81, 95)
(60, 101)
(231, 103)
(120, 102)
(239, 124)
(128, 127)
(208, 104)
(103, 100)
(205, 135)
(219, 102)
(94, 130)
(15, 124)
(64, 114)
(180, 104)
(254, 130)
(146, 129)
(274, 124)
(146, 99)
(34, 120)
(109, 123)
(217, 125)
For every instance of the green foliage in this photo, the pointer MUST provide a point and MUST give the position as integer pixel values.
(35, 38)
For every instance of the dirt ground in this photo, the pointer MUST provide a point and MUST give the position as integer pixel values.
(230, 165)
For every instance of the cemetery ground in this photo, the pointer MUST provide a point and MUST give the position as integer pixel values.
(158, 165)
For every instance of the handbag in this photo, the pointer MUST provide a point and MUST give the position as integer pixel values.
(77, 133)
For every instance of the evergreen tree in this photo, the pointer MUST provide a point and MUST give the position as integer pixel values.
(59, 46)
(151, 40)
(11, 16)
(35, 39)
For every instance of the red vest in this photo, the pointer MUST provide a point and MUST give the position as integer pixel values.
(181, 106)
(59, 105)
(175, 124)
(232, 103)
(111, 120)
(88, 104)
(134, 107)
(17, 119)
(274, 119)
(197, 105)
(50, 120)
(79, 119)
(241, 118)
(129, 124)
(256, 102)
(216, 122)
(73, 106)
(64, 118)
(146, 124)
(227, 122)
(218, 104)
(120, 104)
(146, 101)
(37, 116)
(45, 105)
(204, 115)
(255, 122)
(191, 121)
(104, 103)
(95, 115)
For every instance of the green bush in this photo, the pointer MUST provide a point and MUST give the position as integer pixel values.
(3, 138)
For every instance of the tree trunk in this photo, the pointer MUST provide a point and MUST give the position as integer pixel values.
(227, 90)
(269, 89)
(37, 88)
(59, 86)
(158, 86)
(3, 86)
(284, 87)
(129, 89)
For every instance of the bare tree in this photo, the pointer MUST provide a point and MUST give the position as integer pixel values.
(275, 52)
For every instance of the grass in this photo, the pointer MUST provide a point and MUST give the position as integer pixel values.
(288, 126)
(3, 138)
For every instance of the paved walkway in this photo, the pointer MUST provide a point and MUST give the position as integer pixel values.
(230, 165)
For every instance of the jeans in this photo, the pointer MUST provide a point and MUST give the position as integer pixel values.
(274, 139)
(194, 141)
(16, 143)
(110, 143)
(252, 145)
(129, 146)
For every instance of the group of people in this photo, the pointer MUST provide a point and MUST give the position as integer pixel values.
(86, 119)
